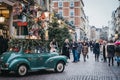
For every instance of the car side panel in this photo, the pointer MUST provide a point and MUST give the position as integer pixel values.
(51, 62)
(16, 62)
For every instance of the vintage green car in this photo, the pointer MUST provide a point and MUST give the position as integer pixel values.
(21, 61)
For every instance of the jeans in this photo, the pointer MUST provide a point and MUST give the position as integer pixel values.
(96, 57)
(75, 55)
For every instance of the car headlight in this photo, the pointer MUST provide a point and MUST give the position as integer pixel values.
(5, 65)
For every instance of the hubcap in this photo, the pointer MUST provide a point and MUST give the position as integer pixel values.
(60, 67)
(22, 70)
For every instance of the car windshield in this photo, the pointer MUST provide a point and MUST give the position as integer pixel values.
(28, 45)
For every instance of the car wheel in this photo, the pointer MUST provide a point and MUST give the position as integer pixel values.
(22, 70)
(60, 67)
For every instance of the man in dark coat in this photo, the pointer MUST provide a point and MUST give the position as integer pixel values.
(74, 46)
(5, 46)
(96, 50)
(1, 44)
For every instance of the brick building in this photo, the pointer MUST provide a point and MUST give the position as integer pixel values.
(72, 10)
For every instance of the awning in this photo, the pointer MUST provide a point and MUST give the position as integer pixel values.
(20, 24)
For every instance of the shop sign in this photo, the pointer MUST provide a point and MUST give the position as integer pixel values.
(21, 23)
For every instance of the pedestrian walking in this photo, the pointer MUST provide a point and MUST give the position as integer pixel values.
(1, 44)
(110, 52)
(79, 49)
(104, 51)
(96, 50)
(91, 45)
(84, 50)
(5, 46)
(66, 48)
(74, 51)
(117, 49)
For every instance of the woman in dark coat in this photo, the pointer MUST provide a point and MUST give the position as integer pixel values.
(84, 50)
(110, 52)
(66, 48)
(104, 52)
(96, 50)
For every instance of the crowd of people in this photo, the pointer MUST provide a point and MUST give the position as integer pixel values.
(107, 48)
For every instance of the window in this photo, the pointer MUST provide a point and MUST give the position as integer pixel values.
(72, 22)
(61, 12)
(60, 4)
(71, 13)
(71, 4)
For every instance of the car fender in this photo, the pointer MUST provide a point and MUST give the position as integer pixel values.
(16, 62)
(51, 62)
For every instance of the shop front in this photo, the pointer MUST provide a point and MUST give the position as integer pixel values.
(5, 14)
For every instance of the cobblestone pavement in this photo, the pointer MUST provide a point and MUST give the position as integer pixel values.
(89, 70)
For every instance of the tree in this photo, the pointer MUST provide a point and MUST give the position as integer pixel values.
(59, 34)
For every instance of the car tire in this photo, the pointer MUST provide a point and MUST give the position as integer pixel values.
(60, 67)
(22, 70)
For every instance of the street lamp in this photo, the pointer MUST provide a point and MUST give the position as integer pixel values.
(2, 18)
(116, 36)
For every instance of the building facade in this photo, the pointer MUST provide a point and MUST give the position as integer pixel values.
(72, 10)
(104, 33)
(92, 33)
(116, 22)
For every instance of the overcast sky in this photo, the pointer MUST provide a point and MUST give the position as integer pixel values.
(100, 11)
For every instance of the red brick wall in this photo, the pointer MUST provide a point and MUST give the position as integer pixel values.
(66, 4)
(55, 4)
(77, 4)
(66, 11)
(77, 21)
(77, 11)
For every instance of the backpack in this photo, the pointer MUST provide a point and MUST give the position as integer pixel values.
(110, 48)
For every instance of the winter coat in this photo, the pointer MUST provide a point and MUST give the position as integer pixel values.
(85, 50)
(1, 44)
(74, 45)
(79, 48)
(66, 49)
(117, 50)
(96, 48)
(110, 51)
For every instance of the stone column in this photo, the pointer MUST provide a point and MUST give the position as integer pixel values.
(11, 27)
